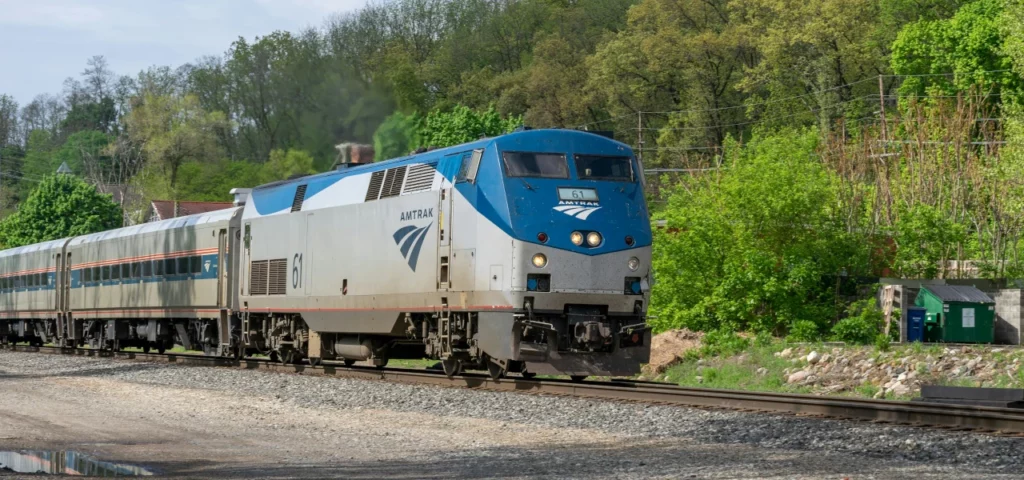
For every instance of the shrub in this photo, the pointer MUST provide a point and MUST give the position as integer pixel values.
(882, 342)
(863, 324)
(804, 331)
(723, 342)
(763, 339)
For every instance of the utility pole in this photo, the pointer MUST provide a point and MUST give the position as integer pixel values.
(640, 134)
(881, 103)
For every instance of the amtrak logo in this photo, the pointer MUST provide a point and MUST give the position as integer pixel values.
(409, 240)
(580, 210)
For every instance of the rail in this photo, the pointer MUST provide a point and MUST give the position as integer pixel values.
(1003, 421)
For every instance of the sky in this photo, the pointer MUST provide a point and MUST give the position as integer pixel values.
(43, 42)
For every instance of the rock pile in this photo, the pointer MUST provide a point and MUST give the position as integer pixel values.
(669, 347)
(898, 373)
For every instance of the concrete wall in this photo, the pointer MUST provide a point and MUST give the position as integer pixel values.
(1008, 315)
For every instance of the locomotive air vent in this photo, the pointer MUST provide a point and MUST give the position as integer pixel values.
(376, 180)
(258, 277)
(278, 277)
(300, 195)
(393, 183)
(421, 178)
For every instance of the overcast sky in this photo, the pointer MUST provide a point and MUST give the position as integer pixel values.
(42, 42)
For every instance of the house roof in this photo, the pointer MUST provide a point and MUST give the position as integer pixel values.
(959, 293)
(165, 208)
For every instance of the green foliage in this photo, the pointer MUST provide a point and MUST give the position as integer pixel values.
(753, 247)
(398, 136)
(862, 325)
(970, 45)
(804, 331)
(284, 165)
(882, 343)
(462, 124)
(926, 238)
(763, 339)
(722, 343)
(62, 206)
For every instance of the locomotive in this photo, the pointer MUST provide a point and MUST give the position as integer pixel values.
(527, 252)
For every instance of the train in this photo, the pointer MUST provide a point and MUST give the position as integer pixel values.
(525, 253)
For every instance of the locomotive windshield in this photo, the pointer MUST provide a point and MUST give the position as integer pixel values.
(540, 165)
(596, 167)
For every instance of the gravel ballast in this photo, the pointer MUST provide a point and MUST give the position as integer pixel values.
(269, 424)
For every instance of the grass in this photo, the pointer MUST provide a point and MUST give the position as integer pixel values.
(731, 374)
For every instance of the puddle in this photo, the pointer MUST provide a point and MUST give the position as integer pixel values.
(66, 463)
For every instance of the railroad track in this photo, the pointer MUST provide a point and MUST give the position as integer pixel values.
(1000, 421)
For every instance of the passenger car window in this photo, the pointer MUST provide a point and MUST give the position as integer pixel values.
(115, 272)
(539, 165)
(197, 264)
(599, 167)
(147, 269)
(106, 273)
(183, 267)
(169, 267)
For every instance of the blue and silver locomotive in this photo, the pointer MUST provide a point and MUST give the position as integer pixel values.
(529, 252)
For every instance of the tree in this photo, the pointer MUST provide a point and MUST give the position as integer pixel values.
(463, 124)
(61, 206)
(399, 135)
(953, 54)
(174, 130)
(8, 121)
(755, 246)
(284, 165)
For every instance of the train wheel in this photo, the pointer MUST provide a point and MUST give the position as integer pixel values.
(452, 366)
(349, 362)
(274, 356)
(145, 348)
(578, 378)
(161, 348)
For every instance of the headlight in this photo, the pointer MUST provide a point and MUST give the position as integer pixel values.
(577, 238)
(633, 263)
(539, 260)
(593, 239)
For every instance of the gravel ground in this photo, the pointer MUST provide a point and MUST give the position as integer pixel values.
(232, 423)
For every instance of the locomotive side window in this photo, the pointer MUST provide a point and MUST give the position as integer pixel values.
(599, 167)
(539, 165)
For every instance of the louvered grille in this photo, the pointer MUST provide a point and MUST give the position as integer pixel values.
(376, 180)
(258, 277)
(278, 277)
(421, 178)
(300, 196)
(393, 184)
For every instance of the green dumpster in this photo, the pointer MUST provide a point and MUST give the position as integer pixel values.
(957, 314)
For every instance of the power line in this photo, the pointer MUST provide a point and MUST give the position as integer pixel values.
(709, 127)
(768, 102)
